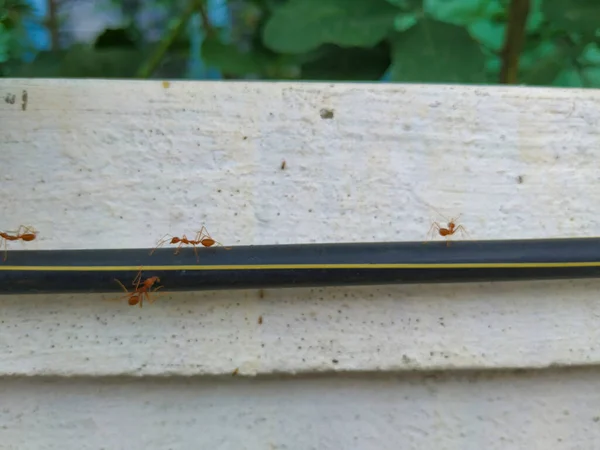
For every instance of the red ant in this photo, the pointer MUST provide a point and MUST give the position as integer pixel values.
(137, 295)
(24, 233)
(202, 238)
(450, 229)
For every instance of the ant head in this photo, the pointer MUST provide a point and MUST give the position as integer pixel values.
(175, 240)
(452, 221)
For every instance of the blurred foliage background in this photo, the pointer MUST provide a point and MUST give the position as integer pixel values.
(533, 42)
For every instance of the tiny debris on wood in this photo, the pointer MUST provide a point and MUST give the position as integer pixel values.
(235, 372)
(260, 320)
(24, 99)
(326, 113)
(283, 164)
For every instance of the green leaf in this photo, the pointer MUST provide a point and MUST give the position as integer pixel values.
(407, 5)
(403, 22)
(535, 19)
(573, 15)
(488, 33)
(4, 44)
(348, 64)
(591, 54)
(234, 62)
(302, 25)
(542, 66)
(12, 12)
(45, 65)
(437, 52)
(569, 77)
(462, 12)
(86, 62)
(229, 59)
(82, 61)
(591, 77)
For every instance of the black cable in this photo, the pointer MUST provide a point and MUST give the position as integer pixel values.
(302, 265)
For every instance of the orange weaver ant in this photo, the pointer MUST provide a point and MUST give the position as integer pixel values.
(447, 231)
(137, 295)
(202, 238)
(24, 233)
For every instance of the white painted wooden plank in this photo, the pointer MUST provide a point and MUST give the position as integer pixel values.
(543, 410)
(116, 164)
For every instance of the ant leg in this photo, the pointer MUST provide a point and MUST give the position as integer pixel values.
(128, 294)
(150, 300)
(221, 245)
(181, 242)
(162, 241)
(202, 233)
(434, 227)
(5, 249)
(18, 230)
(196, 253)
(463, 231)
(28, 229)
(22, 230)
(137, 280)
(123, 287)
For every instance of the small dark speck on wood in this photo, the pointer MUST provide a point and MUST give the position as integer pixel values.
(326, 113)
(520, 179)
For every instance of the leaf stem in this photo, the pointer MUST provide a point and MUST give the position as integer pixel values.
(150, 65)
(208, 28)
(52, 24)
(513, 41)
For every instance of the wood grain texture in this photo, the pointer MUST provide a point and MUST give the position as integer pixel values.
(115, 164)
(524, 411)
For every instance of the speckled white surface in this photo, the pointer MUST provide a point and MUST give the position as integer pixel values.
(528, 411)
(118, 164)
